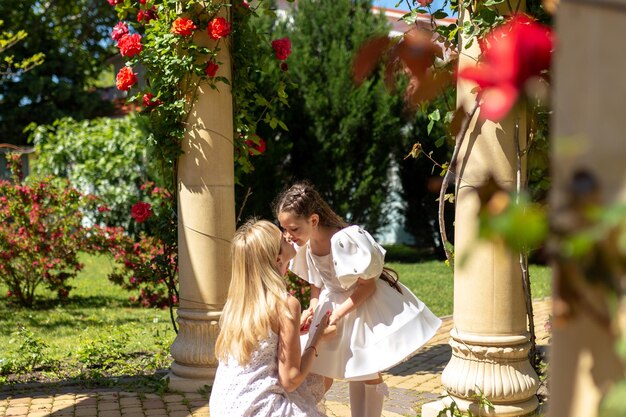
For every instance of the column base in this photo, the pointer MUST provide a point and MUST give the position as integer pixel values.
(187, 385)
(526, 408)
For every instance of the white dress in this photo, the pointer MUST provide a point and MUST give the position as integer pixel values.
(254, 391)
(387, 328)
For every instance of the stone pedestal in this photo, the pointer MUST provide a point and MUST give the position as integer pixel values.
(206, 226)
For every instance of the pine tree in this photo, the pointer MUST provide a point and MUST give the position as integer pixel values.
(340, 136)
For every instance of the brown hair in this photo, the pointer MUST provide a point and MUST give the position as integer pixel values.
(303, 200)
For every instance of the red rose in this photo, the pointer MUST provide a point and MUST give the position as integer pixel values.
(149, 101)
(256, 145)
(146, 15)
(130, 45)
(513, 53)
(142, 1)
(218, 28)
(211, 69)
(115, 2)
(125, 79)
(119, 30)
(183, 26)
(282, 48)
(141, 212)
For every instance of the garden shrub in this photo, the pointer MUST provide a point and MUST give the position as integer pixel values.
(41, 233)
(146, 261)
(104, 157)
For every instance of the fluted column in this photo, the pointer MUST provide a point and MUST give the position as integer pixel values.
(205, 228)
(489, 341)
(587, 160)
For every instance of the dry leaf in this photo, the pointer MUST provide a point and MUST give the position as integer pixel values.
(367, 58)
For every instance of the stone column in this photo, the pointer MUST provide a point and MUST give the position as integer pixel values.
(489, 341)
(206, 225)
(588, 149)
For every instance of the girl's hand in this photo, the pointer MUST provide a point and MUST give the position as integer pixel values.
(305, 320)
(323, 329)
(333, 319)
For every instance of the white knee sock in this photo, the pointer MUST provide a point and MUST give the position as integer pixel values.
(374, 397)
(357, 398)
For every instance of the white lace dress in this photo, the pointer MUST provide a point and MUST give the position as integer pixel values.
(254, 391)
(387, 328)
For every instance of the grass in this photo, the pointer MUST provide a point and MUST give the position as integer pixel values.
(432, 282)
(97, 332)
(96, 323)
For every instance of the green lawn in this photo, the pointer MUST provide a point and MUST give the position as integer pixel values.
(432, 282)
(97, 323)
(98, 329)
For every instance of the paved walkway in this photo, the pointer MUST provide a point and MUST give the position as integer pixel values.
(411, 384)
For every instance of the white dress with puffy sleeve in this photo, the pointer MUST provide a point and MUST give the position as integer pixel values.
(387, 328)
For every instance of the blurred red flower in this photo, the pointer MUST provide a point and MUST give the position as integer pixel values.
(256, 145)
(183, 26)
(512, 54)
(125, 79)
(149, 101)
(130, 45)
(119, 30)
(146, 15)
(141, 211)
(218, 28)
(282, 48)
(211, 69)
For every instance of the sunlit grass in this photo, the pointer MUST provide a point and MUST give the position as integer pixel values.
(432, 282)
(95, 309)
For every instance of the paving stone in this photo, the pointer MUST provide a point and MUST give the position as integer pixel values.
(20, 410)
(86, 411)
(108, 405)
(110, 413)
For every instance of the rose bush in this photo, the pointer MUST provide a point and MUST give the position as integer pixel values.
(41, 234)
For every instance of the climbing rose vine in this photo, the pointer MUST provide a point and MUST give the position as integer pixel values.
(176, 47)
(165, 39)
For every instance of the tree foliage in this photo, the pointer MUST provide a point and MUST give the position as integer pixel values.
(74, 35)
(105, 157)
(9, 66)
(340, 136)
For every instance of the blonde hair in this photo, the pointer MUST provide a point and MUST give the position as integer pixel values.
(257, 296)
